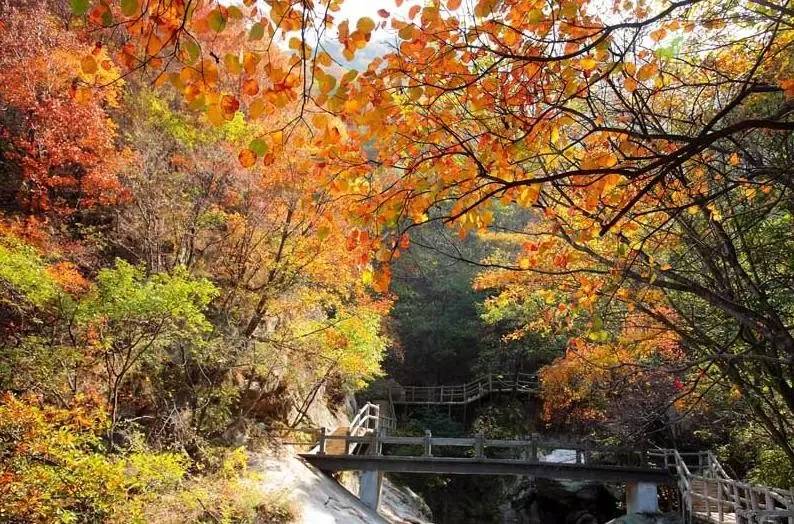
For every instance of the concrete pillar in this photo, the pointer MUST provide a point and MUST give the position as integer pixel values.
(369, 483)
(641, 497)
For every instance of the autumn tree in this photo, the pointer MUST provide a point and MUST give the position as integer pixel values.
(58, 151)
(644, 190)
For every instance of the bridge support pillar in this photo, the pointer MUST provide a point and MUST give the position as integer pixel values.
(369, 484)
(642, 497)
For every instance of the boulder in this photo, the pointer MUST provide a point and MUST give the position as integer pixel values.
(647, 518)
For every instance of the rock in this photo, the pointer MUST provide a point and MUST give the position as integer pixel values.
(400, 505)
(646, 518)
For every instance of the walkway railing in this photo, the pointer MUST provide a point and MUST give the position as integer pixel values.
(532, 448)
(709, 494)
(464, 393)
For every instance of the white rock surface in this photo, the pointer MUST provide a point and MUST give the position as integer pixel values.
(319, 499)
(400, 505)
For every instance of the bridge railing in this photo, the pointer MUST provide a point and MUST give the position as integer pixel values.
(368, 421)
(708, 493)
(533, 448)
(463, 393)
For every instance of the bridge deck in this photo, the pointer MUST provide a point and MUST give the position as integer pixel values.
(487, 466)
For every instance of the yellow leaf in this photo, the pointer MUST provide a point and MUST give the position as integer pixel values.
(528, 195)
(256, 107)
(555, 135)
(365, 25)
(232, 63)
(215, 115)
(588, 64)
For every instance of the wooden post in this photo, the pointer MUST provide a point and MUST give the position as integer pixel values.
(769, 503)
(479, 445)
(376, 446)
(428, 444)
(706, 497)
(720, 511)
(790, 504)
(533, 448)
(347, 441)
(753, 499)
(441, 394)
(736, 501)
(321, 447)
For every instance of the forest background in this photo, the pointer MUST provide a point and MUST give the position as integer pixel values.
(204, 207)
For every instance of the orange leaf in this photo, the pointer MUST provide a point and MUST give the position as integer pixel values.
(250, 87)
(659, 34)
(247, 158)
(88, 65)
(788, 87)
(413, 11)
(647, 71)
(229, 104)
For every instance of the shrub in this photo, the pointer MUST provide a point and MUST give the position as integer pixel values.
(54, 466)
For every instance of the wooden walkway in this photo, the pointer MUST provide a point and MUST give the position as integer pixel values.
(464, 393)
(710, 495)
(707, 493)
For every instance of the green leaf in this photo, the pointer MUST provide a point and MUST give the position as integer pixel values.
(107, 18)
(258, 146)
(216, 20)
(193, 50)
(80, 7)
(671, 50)
(129, 7)
(257, 32)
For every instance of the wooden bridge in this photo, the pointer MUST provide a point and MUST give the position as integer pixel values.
(707, 493)
(463, 394)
